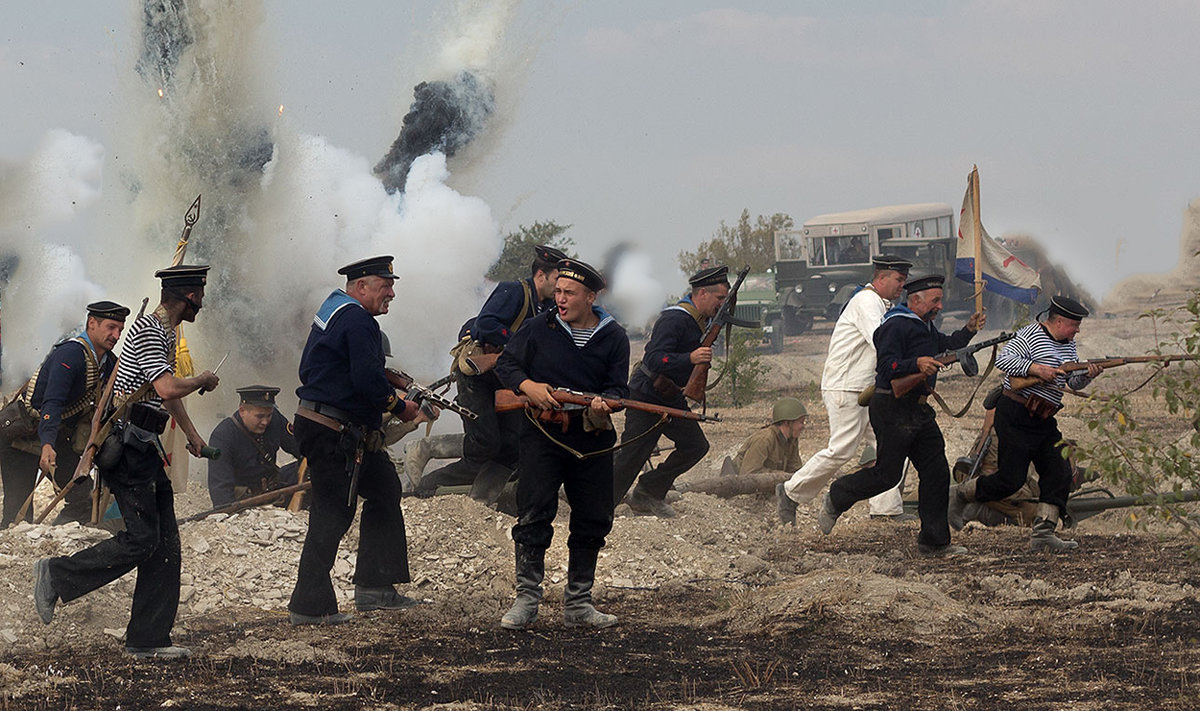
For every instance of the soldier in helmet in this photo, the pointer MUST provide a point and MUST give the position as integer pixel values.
(777, 446)
(765, 458)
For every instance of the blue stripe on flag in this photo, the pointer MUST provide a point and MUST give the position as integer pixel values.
(964, 269)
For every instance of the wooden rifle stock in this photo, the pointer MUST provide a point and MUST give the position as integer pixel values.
(1018, 382)
(698, 380)
(482, 363)
(251, 501)
(508, 401)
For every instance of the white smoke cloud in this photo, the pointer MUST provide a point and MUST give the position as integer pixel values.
(49, 288)
(636, 295)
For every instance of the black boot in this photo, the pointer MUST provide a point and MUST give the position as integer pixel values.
(489, 483)
(960, 496)
(531, 568)
(578, 610)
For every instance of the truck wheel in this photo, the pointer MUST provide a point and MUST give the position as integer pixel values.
(796, 323)
(776, 335)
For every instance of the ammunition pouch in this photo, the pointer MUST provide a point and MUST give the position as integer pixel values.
(148, 417)
(16, 422)
(1036, 406)
(108, 456)
(663, 386)
(466, 348)
(81, 435)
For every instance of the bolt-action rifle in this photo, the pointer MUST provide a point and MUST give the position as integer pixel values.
(507, 401)
(698, 381)
(250, 502)
(965, 357)
(1017, 381)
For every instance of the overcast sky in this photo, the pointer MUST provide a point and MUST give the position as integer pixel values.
(653, 121)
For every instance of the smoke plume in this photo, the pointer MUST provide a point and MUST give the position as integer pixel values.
(444, 117)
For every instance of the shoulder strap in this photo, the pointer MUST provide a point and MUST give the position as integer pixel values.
(524, 307)
(692, 311)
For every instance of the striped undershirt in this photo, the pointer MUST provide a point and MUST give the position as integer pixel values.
(149, 351)
(1033, 344)
(581, 336)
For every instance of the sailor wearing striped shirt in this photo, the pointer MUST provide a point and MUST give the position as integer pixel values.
(344, 393)
(578, 347)
(673, 350)
(150, 542)
(62, 396)
(1026, 428)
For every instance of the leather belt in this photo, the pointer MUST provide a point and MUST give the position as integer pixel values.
(1012, 395)
(323, 415)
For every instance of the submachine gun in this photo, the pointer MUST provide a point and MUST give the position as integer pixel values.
(964, 356)
(697, 383)
(425, 395)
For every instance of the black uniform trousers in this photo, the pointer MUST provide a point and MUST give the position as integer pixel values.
(150, 543)
(382, 546)
(1023, 438)
(904, 428)
(491, 437)
(19, 469)
(690, 447)
(588, 483)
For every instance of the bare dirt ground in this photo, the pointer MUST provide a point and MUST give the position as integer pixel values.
(721, 608)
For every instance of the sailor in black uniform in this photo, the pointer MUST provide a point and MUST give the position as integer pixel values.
(579, 347)
(249, 441)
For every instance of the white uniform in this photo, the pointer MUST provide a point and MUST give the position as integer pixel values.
(849, 369)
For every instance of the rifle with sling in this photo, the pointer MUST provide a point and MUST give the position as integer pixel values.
(698, 381)
(1018, 382)
(965, 357)
(507, 401)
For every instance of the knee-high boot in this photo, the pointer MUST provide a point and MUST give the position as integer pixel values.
(531, 568)
(578, 610)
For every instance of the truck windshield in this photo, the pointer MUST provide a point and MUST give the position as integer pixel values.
(834, 250)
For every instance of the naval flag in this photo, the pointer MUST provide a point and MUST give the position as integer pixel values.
(1002, 272)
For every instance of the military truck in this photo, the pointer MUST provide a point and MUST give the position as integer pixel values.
(819, 266)
(758, 302)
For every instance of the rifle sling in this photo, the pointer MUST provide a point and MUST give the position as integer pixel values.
(987, 371)
(582, 455)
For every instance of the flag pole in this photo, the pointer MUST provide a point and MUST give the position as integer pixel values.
(978, 238)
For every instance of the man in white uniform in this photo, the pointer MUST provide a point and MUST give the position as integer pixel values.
(850, 369)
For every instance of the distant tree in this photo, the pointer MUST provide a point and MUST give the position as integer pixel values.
(746, 242)
(517, 254)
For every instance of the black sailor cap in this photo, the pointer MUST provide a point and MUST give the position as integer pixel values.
(258, 395)
(710, 277)
(183, 275)
(372, 266)
(932, 281)
(546, 253)
(892, 262)
(107, 309)
(1069, 308)
(581, 272)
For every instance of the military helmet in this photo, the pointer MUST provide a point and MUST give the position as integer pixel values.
(387, 344)
(787, 409)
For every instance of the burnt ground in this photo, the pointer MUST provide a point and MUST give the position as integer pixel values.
(680, 647)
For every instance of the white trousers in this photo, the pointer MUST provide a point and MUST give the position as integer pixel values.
(849, 427)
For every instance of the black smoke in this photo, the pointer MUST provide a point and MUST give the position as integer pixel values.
(166, 33)
(444, 116)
